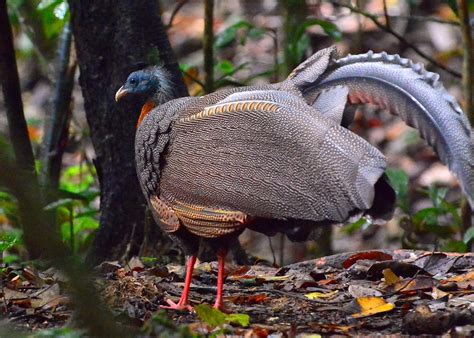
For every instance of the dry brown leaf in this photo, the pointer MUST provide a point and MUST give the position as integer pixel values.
(358, 291)
(461, 278)
(437, 293)
(252, 299)
(371, 255)
(372, 305)
(419, 283)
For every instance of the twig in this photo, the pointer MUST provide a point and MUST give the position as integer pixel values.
(272, 250)
(178, 6)
(468, 89)
(375, 20)
(419, 18)
(56, 130)
(385, 13)
(208, 46)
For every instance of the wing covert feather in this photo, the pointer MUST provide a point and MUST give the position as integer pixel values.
(269, 157)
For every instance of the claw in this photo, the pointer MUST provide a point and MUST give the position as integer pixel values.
(176, 306)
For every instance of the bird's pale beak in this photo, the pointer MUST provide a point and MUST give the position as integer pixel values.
(120, 93)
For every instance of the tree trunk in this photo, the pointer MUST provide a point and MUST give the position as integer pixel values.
(112, 37)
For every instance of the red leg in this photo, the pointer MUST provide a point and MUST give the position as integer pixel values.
(183, 303)
(220, 280)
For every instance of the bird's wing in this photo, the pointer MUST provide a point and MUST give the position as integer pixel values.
(269, 155)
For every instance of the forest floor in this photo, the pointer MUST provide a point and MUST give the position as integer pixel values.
(371, 292)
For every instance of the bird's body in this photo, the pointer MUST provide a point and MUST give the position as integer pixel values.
(272, 158)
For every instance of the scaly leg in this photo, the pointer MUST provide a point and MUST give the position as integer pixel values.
(183, 303)
(220, 280)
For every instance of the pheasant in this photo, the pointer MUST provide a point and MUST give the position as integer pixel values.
(275, 158)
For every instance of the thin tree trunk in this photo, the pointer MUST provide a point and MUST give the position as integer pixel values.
(56, 131)
(111, 38)
(468, 89)
(208, 45)
(17, 125)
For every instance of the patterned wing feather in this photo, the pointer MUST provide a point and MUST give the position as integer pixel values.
(268, 154)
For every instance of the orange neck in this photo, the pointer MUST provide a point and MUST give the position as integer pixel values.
(147, 107)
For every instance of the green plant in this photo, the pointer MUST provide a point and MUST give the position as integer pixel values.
(160, 325)
(216, 319)
(75, 210)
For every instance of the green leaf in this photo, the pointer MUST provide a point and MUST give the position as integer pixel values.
(210, 315)
(63, 202)
(468, 235)
(77, 178)
(437, 195)
(238, 319)
(225, 67)
(229, 35)
(426, 216)
(7, 240)
(361, 223)
(215, 318)
(63, 332)
(454, 246)
(85, 223)
(399, 181)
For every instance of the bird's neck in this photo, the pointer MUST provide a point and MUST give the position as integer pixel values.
(147, 107)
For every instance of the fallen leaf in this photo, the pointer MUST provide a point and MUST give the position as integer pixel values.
(372, 305)
(10, 294)
(358, 291)
(317, 295)
(401, 269)
(134, 264)
(461, 278)
(408, 286)
(437, 293)
(258, 278)
(330, 328)
(371, 255)
(389, 277)
(327, 281)
(423, 321)
(49, 296)
(436, 264)
(257, 332)
(252, 299)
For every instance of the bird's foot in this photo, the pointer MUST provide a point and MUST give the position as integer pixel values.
(220, 306)
(180, 306)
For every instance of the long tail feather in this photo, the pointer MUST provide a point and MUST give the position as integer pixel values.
(406, 89)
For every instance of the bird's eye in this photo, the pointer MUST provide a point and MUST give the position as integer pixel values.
(133, 81)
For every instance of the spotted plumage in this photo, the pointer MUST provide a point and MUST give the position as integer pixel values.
(275, 158)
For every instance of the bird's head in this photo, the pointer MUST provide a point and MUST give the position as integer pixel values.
(152, 84)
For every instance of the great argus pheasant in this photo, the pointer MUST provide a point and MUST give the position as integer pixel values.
(277, 157)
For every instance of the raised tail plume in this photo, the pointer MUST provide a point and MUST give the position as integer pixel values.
(405, 89)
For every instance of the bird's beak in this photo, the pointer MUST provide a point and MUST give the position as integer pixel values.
(120, 93)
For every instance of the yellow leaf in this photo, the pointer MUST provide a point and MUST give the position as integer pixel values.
(316, 295)
(390, 277)
(462, 278)
(372, 305)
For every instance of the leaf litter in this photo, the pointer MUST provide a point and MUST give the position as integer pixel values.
(386, 292)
